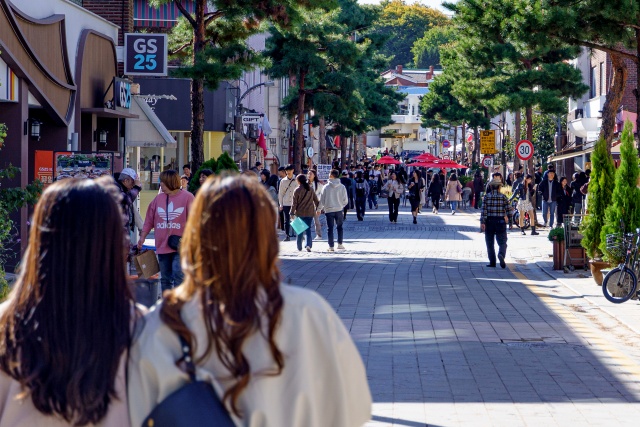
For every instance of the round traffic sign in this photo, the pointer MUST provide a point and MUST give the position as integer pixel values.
(310, 152)
(487, 162)
(470, 137)
(446, 143)
(524, 150)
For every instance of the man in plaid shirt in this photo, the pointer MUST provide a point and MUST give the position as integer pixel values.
(496, 213)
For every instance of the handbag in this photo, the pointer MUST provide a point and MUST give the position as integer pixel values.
(299, 226)
(194, 404)
(384, 194)
(174, 241)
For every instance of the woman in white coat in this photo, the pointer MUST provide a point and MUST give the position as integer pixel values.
(453, 192)
(276, 355)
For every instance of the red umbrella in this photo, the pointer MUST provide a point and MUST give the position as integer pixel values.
(388, 160)
(442, 164)
(425, 156)
(421, 164)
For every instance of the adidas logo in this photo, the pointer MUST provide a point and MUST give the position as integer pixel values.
(171, 214)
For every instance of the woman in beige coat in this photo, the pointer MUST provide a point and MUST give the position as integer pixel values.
(453, 192)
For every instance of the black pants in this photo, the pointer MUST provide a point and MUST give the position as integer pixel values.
(394, 205)
(281, 213)
(361, 203)
(476, 199)
(495, 227)
(435, 200)
(286, 210)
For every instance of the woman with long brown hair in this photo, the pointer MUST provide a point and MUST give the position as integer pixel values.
(276, 355)
(66, 326)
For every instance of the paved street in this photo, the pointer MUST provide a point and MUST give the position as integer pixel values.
(450, 342)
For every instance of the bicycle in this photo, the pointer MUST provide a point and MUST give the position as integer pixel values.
(620, 284)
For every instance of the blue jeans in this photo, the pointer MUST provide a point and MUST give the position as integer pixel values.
(338, 219)
(454, 205)
(373, 200)
(546, 206)
(307, 220)
(170, 271)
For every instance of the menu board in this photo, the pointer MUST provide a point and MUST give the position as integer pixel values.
(82, 164)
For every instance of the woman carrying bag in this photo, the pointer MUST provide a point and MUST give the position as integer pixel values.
(453, 193)
(167, 215)
(415, 186)
(276, 355)
(317, 186)
(525, 192)
(305, 205)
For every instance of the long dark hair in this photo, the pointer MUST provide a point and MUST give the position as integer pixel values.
(69, 315)
(229, 253)
(302, 180)
(315, 181)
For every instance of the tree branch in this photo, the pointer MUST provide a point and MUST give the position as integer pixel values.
(185, 13)
(181, 48)
(212, 16)
(610, 50)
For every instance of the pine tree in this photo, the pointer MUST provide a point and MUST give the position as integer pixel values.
(625, 201)
(426, 50)
(599, 197)
(508, 66)
(212, 44)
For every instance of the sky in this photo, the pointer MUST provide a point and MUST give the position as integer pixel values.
(437, 4)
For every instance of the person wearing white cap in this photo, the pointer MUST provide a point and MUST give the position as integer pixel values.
(129, 185)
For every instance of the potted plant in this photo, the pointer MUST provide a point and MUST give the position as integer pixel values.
(556, 235)
(600, 190)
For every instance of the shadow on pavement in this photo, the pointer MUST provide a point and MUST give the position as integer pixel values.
(432, 329)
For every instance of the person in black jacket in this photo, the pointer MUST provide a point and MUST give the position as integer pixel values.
(478, 185)
(435, 192)
(550, 189)
(347, 182)
(564, 200)
(576, 195)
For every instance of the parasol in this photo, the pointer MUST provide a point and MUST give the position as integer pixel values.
(425, 156)
(388, 160)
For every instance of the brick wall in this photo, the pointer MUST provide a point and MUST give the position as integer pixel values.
(119, 12)
(628, 99)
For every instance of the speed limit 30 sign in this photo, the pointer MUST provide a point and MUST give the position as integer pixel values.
(524, 150)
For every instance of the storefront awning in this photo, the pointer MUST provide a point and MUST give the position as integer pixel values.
(147, 130)
(558, 157)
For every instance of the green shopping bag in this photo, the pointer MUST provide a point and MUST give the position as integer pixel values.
(299, 226)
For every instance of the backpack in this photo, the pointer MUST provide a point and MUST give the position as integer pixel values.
(373, 186)
(360, 188)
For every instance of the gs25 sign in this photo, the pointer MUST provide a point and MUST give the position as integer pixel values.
(145, 54)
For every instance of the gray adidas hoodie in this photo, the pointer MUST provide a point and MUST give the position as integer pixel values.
(334, 196)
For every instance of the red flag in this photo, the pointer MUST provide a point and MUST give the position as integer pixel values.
(262, 143)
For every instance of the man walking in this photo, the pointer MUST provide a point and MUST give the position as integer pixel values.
(362, 192)
(332, 200)
(496, 213)
(281, 175)
(550, 189)
(285, 198)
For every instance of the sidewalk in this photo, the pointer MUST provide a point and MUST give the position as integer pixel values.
(450, 342)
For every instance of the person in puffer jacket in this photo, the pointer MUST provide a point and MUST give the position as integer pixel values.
(333, 199)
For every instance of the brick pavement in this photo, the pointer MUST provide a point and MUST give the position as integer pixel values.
(449, 342)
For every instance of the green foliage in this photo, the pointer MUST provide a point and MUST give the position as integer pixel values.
(402, 24)
(545, 128)
(624, 204)
(556, 234)
(226, 163)
(499, 62)
(599, 197)
(426, 50)
(194, 184)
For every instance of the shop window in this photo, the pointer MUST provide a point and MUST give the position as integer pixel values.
(593, 85)
(601, 80)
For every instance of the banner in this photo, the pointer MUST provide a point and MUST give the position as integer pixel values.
(82, 164)
(43, 168)
(323, 172)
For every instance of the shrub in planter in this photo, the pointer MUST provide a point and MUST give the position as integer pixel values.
(194, 184)
(599, 197)
(625, 200)
(226, 163)
(556, 234)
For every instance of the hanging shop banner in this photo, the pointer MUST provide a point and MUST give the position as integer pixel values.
(323, 172)
(82, 164)
(44, 167)
(145, 54)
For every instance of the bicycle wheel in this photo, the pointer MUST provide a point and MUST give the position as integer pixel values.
(619, 285)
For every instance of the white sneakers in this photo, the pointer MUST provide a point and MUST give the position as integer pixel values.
(341, 247)
(330, 249)
(308, 249)
(317, 238)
